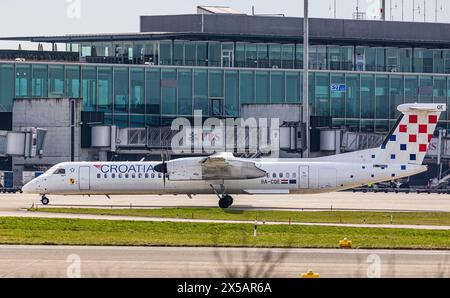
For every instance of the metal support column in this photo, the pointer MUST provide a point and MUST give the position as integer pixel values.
(305, 116)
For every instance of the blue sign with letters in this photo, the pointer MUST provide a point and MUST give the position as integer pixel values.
(338, 87)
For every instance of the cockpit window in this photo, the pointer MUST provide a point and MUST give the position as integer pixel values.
(60, 171)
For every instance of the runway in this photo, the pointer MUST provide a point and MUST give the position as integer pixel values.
(58, 261)
(334, 201)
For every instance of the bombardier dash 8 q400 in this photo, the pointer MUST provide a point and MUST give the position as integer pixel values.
(401, 155)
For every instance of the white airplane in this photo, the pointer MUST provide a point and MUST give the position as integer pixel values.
(401, 155)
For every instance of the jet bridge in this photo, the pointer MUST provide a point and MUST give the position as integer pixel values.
(27, 142)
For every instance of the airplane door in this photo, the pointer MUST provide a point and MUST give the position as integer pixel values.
(84, 178)
(304, 177)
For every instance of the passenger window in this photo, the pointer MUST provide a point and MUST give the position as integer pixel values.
(126, 175)
(294, 175)
(153, 175)
(106, 176)
(120, 175)
(140, 175)
(287, 175)
(146, 175)
(159, 175)
(281, 175)
(133, 176)
(113, 175)
(99, 176)
(60, 171)
(274, 175)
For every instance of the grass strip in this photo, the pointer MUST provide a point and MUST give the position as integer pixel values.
(52, 231)
(347, 217)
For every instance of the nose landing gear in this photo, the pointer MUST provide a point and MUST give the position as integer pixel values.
(45, 200)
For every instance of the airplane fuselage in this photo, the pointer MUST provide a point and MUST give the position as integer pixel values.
(291, 176)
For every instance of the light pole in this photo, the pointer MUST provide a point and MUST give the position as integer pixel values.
(305, 116)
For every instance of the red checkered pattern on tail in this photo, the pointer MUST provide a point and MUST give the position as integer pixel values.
(409, 142)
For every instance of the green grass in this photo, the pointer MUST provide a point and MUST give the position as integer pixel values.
(350, 217)
(48, 231)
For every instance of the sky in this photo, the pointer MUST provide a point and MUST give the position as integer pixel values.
(59, 17)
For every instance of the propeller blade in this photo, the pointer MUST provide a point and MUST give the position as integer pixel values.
(161, 168)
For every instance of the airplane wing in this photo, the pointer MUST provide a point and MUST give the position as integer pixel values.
(222, 166)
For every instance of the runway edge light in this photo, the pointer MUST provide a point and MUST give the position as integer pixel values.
(345, 243)
(310, 274)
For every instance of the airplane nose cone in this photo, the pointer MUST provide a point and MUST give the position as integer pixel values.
(30, 187)
(26, 188)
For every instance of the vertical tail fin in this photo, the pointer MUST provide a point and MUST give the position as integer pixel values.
(408, 141)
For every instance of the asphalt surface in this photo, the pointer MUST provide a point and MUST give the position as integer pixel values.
(59, 261)
(334, 201)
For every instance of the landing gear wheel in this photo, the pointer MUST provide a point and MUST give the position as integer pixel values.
(225, 202)
(45, 200)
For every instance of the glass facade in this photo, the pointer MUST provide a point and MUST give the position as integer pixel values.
(136, 96)
(6, 87)
(267, 55)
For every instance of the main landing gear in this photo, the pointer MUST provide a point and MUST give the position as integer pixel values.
(45, 200)
(225, 200)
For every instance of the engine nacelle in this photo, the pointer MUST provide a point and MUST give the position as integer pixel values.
(201, 168)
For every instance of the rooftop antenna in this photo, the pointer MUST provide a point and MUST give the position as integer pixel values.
(403, 11)
(333, 8)
(424, 12)
(390, 10)
(253, 10)
(436, 11)
(397, 6)
(415, 9)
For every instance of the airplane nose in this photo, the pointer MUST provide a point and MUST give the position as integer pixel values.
(30, 187)
(26, 188)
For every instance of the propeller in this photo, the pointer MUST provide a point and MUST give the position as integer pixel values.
(162, 167)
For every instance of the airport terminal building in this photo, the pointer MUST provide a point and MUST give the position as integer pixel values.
(112, 96)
